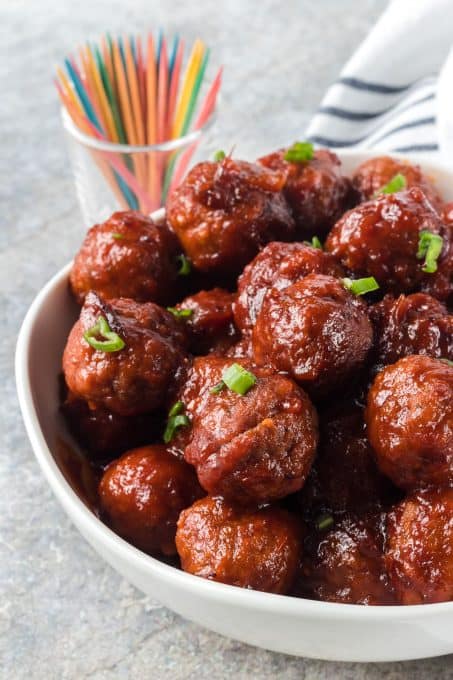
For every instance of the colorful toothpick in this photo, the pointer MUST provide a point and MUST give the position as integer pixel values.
(127, 92)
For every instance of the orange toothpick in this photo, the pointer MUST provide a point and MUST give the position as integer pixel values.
(173, 93)
(134, 93)
(141, 75)
(134, 98)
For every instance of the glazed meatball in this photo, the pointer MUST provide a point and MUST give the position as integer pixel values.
(242, 349)
(316, 331)
(419, 553)
(258, 550)
(136, 377)
(253, 447)
(209, 321)
(316, 191)
(447, 213)
(380, 238)
(105, 434)
(412, 324)
(278, 265)
(344, 476)
(129, 256)
(346, 564)
(223, 213)
(142, 494)
(375, 173)
(410, 421)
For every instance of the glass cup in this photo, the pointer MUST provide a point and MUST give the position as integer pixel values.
(111, 176)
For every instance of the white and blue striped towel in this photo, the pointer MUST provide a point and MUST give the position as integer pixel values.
(388, 94)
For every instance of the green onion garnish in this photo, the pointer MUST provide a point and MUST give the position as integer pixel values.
(324, 521)
(219, 156)
(180, 313)
(176, 409)
(447, 361)
(218, 388)
(429, 247)
(185, 267)
(314, 243)
(110, 342)
(397, 183)
(299, 152)
(176, 419)
(237, 379)
(117, 236)
(361, 286)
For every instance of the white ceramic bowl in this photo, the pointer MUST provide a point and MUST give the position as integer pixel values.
(283, 624)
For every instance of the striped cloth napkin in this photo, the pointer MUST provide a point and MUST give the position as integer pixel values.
(388, 94)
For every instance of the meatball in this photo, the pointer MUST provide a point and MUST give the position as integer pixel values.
(224, 212)
(127, 256)
(136, 377)
(346, 564)
(242, 349)
(105, 434)
(253, 447)
(344, 476)
(142, 494)
(409, 420)
(316, 191)
(278, 265)
(380, 238)
(447, 213)
(375, 173)
(419, 551)
(316, 331)
(412, 324)
(209, 321)
(258, 550)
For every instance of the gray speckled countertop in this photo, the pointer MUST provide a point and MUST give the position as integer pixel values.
(63, 612)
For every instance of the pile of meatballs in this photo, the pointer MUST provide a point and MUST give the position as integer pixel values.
(258, 412)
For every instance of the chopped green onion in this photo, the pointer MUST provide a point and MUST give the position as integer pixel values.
(314, 243)
(237, 379)
(173, 424)
(219, 156)
(324, 521)
(397, 183)
(176, 409)
(448, 362)
(361, 286)
(299, 152)
(180, 313)
(175, 420)
(429, 247)
(111, 341)
(218, 388)
(185, 267)
(116, 235)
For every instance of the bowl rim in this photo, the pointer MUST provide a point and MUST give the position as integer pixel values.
(219, 592)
